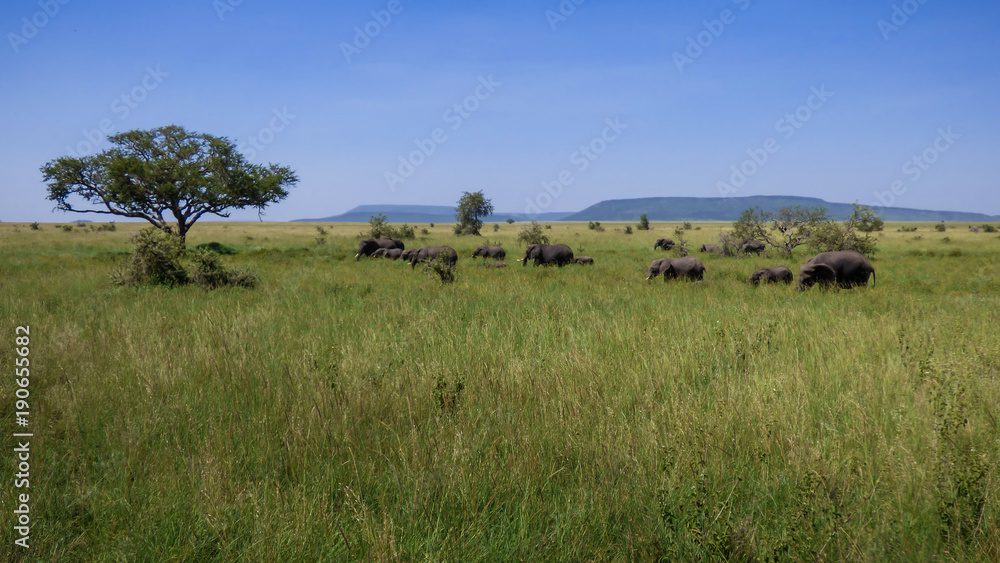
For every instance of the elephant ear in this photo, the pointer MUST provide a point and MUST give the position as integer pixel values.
(824, 272)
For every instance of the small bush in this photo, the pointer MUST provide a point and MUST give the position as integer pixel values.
(687, 225)
(510, 220)
(432, 225)
(593, 226)
(532, 234)
(67, 228)
(628, 229)
(321, 231)
(216, 247)
(34, 226)
(548, 226)
(987, 228)
(442, 267)
(209, 272)
(424, 232)
(108, 227)
(940, 227)
(406, 231)
(946, 240)
(643, 223)
(905, 229)
(155, 260)
(496, 227)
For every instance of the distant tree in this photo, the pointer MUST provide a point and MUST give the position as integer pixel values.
(378, 227)
(849, 235)
(471, 207)
(532, 234)
(789, 227)
(643, 223)
(510, 220)
(681, 244)
(163, 172)
(867, 219)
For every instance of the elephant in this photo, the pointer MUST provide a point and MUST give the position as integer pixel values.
(406, 254)
(496, 265)
(687, 267)
(777, 274)
(430, 252)
(495, 252)
(583, 260)
(664, 243)
(710, 248)
(380, 253)
(368, 246)
(845, 268)
(393, 253)
(558, 254)
(754, 246)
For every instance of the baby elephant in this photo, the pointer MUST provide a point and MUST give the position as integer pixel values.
(583, 260)
(496, 265)
(777, 274)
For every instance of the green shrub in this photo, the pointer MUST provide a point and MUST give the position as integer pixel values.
(510, 220)
(687, 225)
(108, 227)
(442, 267)
(643, 223)
(628, 229)
(940, 227)
(905, 229)
(593, 226)
(216, 247)
(532, 234)
(209, 273)
(34, 226)
(155, 260)
(987, 228)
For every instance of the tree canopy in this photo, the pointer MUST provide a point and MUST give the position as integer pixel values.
(165, 173)
(471, 206)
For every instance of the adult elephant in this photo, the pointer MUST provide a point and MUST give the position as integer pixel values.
(368, 246)
(495, 252)
(754, 246)
(845, 268)
(687, 267)
(710, 248)
(777, 274)
(426, 253)
(558, 254)
(405, 255)
(664, 243)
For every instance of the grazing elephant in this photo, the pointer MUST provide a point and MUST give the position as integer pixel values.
(754, 246)
(394, 253)
(368, 246)
(430, 252)
(496, 265)
(583, 260)
(777, 274)
(495, 252)
(846, 268)
(687, 267)
(664, 243)
(380, 253)
(558, 254)
(710, 248)
(406, 254)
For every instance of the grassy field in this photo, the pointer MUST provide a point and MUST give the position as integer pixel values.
(364, 411)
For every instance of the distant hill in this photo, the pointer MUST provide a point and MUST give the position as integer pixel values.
(422, 214)
(729, 209)
(656, 208)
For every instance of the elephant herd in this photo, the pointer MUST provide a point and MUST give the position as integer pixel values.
(841, 268)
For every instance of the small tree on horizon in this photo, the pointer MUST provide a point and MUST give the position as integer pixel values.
(165, 173)
(471, 207)
(643, 223)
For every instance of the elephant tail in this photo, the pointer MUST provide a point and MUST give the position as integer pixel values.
(873, 278)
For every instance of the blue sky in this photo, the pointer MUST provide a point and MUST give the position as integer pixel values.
(549, 105)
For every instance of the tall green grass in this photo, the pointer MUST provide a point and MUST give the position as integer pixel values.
(362, 410)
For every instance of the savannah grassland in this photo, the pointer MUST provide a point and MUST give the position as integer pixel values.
(364, 411)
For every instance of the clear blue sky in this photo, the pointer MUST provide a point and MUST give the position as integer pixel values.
(687, 88)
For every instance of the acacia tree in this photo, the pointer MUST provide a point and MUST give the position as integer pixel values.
(471, 206)
(790, 227)
(831, 235)
(165, 173)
